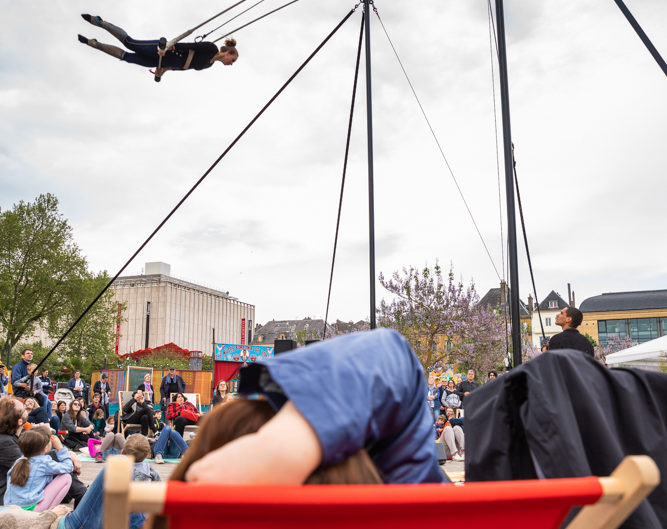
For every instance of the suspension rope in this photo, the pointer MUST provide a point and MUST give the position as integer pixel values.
(190, 31)
(442, 152)
(202, 37)
(255, 20)
(201, 179)
(525, 240)
(342, 184)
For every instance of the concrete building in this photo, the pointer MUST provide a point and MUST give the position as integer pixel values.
(160, 309)
(640, 316)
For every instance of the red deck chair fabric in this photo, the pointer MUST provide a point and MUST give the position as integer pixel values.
(538, 504)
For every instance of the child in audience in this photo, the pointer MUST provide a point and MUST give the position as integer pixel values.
(138, 447)
(99, 422)
(440, 425)
(36, 479)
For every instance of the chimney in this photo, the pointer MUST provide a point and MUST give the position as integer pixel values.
(573, 302)
(503, 292)
(530, 302)
(569, 295)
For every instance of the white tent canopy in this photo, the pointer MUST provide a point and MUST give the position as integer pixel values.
(645, 354)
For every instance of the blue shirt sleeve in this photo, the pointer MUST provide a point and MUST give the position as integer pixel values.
(363, 390)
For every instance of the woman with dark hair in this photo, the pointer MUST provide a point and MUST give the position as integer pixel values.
(220, 395)
(451, 396)
(181, 56)
(182, 412)
(492, 376)
(11, 422)
(77, 425)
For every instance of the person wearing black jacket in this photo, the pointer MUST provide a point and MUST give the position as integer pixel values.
(171, 384)
(565, 415)
(138, 411)
(569, 319)
(468, 385)
(103, 387)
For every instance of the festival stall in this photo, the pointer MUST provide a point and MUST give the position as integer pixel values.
(229, 358)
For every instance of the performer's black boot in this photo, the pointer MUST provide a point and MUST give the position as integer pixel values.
(114, 51)
(117, 32)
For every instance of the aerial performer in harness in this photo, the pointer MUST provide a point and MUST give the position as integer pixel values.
(156, 54)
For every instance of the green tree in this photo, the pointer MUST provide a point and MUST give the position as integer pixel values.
(38, 261)
(86, 347)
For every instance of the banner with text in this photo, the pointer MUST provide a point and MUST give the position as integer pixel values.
(225, 352)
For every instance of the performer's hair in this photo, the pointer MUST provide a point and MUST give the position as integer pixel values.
(230, 47)
(576, 315)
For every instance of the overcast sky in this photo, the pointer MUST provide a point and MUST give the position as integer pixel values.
(589, 121)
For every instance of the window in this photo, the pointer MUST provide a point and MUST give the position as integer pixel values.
(643, 329)
(547, 322)
(553, 304)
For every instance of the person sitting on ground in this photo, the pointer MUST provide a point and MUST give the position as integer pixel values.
(48, 385)
(137, 446)
(99, 423)
(36, 479)
(388, 417)
(138, 411)
(59, 411)
(168, 443)
(182, 412)
(220, 395)
(453, 437)
(451, 396)
(112, 442)
(96, 404)
(181, 56)
(440, 425)
(78, 427)
(36, 414)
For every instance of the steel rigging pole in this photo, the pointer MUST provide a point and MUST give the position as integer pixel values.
(509, 187)
(369, 126)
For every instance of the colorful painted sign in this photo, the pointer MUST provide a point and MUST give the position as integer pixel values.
(225, 352)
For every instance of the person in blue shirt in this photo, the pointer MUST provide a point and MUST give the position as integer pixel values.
(19, 371)
(374, 399)
(4, 380)
(31, 476)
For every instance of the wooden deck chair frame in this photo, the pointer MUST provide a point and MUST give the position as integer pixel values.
(192, 397)
(123, 397)
(538, 504)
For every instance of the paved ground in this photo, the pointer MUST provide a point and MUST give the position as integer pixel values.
(89, 470)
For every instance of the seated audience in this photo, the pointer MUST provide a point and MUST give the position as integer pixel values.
(452, 436)
(220, 394)
(36, 480)
(182, 412)
(78, 427)
(96, 404)
(138, 410)
(60, 410)
(36, 414)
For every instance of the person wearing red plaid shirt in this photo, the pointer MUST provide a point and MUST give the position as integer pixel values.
(182, 412)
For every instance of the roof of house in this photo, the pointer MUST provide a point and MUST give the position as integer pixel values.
(493, 299)
(553, 296)
(639, 300)
(272, 330)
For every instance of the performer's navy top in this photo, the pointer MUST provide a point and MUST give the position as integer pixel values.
(176, 57)
(363, 390)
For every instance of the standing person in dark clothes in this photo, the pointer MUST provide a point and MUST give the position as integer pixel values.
(569, 319)
(181, 56)
(104, 389)
(468, 385)
(172, 383)
(19, 371)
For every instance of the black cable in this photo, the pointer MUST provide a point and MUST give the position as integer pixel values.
(342, 184)
(643, 36)
(525, 240)
(201, 179)
(202, 37)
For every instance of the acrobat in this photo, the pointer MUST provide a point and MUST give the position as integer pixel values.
(180, 56)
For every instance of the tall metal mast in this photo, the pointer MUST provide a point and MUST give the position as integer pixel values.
(509, 187)
(369, 126)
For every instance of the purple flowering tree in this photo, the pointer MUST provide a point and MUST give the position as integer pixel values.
(441, 319)
(614, 344)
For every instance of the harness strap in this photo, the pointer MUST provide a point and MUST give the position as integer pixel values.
(188, 61)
